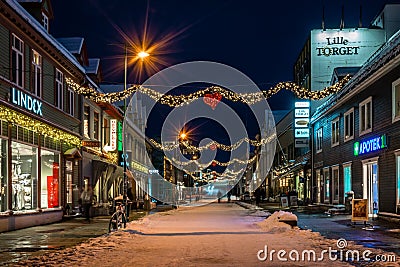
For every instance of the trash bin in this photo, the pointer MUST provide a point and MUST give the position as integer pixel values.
(348, 201)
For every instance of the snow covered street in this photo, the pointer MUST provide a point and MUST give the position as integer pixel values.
(223, 234)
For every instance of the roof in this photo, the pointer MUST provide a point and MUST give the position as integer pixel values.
(343, 71)
(93, 67)
(73, 44)
(39, 28)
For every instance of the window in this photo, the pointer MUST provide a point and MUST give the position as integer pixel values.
(347, 178)
(70, 185)
(86, 121)
(349, 125)
(45, 22)
(327, 185)
(50, 170)
(335, 132)
(3, 175)
(318, 138)
(396, 100)
(398, 183)
(17, 64)
(366, 116)
(71, 102)
(96, 125)
(335, 184)
(106, 132)
(59, 89)
(36, 73)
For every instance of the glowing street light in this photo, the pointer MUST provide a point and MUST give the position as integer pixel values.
(143, 54)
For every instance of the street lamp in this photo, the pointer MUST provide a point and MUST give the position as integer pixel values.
(142, 55)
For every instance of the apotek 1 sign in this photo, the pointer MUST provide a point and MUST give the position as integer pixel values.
(370, 145)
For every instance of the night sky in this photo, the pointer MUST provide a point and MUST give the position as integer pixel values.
(262, 39)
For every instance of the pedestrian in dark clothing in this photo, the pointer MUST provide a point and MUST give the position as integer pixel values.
(87, 198)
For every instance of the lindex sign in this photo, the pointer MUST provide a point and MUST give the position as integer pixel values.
(370, 145)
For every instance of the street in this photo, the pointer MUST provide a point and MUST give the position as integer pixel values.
(219, 234)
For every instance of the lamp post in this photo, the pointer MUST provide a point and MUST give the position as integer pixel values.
(141, 55)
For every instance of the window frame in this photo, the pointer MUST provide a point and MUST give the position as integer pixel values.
(319, 134)
(395, 117)
(45, 21)
(59, 89)
(335, 184)
(96, 120)
(350, 114)
(327, 186)
(71, 101)
(17, 72)
(335, 132)
(37, 74)
(365, 130)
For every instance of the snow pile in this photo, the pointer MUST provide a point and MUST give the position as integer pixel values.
(274, 222)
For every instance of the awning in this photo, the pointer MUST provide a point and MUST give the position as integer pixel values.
(73, 153)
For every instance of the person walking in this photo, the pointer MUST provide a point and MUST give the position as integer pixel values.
(87, 198)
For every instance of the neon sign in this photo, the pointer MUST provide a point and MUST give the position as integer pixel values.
(370, 145)
(26, 101)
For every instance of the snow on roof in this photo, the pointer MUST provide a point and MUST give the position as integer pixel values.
(30, 1)
(93, 67)
(73, 44)
(39, 28)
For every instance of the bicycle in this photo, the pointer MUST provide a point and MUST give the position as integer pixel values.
(118, 219)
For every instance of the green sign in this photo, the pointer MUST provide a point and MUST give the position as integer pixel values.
(370, 145)
(119, 141)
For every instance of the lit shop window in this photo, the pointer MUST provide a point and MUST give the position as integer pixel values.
(327, 185)
(24, 176)
(349, 125)
(365, 109)
(335, 184)
(3, 175)
(347, 179)
(49, 179)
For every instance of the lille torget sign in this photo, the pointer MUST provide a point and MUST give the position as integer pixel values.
(337, 46)
(370, 145)
(26, 101)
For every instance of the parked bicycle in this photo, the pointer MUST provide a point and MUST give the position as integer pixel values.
(118, 219)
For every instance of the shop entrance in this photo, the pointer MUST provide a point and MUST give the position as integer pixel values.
(370, 185)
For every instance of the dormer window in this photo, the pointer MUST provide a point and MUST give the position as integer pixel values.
(45, 21)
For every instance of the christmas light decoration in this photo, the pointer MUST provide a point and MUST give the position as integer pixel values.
(180, 100)
(214, 144)
(36, 126)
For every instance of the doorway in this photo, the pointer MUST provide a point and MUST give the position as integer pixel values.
(370, 185)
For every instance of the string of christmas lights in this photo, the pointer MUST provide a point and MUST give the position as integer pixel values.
(203, 166)
(41, 128)
(213, 144)
(180, 100)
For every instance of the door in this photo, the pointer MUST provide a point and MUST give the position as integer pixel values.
(370, 186)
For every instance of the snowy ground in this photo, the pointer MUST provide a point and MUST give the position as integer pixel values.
(222, 234)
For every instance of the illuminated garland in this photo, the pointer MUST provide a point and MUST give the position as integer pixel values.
(41, 128)
(223, 164)
(180, 100)
(171, 147)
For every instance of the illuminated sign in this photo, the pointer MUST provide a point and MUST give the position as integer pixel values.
(113, 134)
(370, 145)
(26, 101)
(301, 104)
(119, 134)
(302, 132)
(139, 167)
(301, 123)
(336, 46)
(90, 143)
(301, 113)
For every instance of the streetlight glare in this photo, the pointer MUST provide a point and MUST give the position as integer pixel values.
(143, 54)
(183, 135)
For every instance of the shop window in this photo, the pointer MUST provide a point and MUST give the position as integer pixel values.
(24, 177)
(349, 125)
(335, 184)
(17, 61)
(37, 74)
(335, 132)
(347, 179)
(69, 184)
(50, 162)
(106, 132)
(327, 185)
(318, 140)
(396, 100)
(398, 183)
(365, 109)
(59, 89)
(3, 176)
